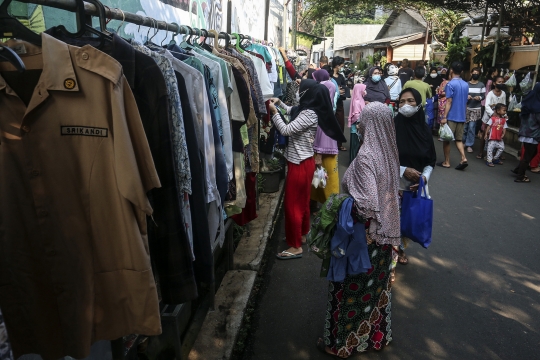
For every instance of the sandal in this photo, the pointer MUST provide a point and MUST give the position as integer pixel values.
(342, 148)
(441, 165)
(462, 165)
(490, 164)
(402, 258)
(321, 346)
(393, 276)
(288, 255)
(480, 156)
(498, 162)
(524, 180)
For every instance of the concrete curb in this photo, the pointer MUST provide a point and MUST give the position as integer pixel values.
(250, 251)
(220, 329)
(219, 332)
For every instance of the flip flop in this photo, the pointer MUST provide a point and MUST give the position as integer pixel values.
(479, 157)
(289, 256)
(498, 162)
(462, 165)
(441, 165)
(490, 164)
(343, 148)
(524, 180)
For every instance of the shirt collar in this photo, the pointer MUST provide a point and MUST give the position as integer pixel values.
(58, 73)
(124, 53)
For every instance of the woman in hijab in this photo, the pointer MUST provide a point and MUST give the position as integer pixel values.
(434, 80)
(372, 180)
(442, 96)
(377, 90)
(315, 109)
(416, 149)
(529, 132)
(326, 149)
(357, 104)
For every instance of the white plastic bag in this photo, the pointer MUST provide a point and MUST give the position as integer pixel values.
(319, 178)
(512, 103)
(445, 133)
(526, 83)
(517, 108)
(512, 81)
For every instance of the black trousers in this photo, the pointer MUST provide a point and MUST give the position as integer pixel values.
(530, 151)
(340, 116)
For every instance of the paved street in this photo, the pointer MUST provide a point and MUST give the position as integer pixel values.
(474, 294)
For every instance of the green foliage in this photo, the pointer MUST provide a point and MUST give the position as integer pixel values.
(443, 22)
(485, 55)
(362, 65)
(457, 51)
(326, 26)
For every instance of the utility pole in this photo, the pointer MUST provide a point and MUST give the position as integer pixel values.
(285, 29)
(498, 36)
(294, 23)
(324, 36)
(428, 24)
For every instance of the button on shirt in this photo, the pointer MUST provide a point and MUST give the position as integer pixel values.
(75, 167)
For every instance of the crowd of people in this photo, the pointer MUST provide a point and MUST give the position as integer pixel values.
(392, 152)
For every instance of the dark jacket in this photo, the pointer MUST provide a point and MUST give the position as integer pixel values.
(530, 126)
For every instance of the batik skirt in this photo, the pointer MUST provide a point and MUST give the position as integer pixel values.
(358, 310)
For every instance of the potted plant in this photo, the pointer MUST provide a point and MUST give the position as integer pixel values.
(270, 175)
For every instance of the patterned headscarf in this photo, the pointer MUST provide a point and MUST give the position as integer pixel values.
(372, 179)
(357, 103)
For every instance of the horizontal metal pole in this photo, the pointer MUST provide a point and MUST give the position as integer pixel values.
(116, 14)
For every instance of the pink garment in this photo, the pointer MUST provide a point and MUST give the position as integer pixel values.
(357, 103)
(324, 144)
(488, 89)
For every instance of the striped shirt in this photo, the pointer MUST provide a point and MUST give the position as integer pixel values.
(301, 133)
(475, 90)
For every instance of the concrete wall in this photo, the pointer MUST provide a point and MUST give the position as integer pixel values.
(353, 34)
(404, 24)
(247, 17)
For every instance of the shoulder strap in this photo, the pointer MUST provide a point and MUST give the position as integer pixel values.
(394, 83)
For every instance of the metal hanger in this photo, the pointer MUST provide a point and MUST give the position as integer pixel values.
(10, 27)
(123, 20)
(8, 54)
(166, 34)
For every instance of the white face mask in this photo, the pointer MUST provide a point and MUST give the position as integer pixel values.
(434, 75)
(408, 110)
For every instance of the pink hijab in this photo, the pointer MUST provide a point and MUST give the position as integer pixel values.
(372, 179)
(357, 103)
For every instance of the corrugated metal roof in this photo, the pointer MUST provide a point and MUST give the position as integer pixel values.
(392, 41)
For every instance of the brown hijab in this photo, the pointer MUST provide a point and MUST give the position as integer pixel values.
(372, 179)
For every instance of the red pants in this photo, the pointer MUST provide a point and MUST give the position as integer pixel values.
(535, 162)
(296, 203)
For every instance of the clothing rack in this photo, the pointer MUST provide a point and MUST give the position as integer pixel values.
(125, 16)
(177, 313)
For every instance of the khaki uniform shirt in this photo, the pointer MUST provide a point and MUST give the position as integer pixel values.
(75, 167)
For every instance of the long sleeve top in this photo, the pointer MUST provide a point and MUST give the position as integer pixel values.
(405, 184)
(475, 90)
(301, 132)
(291, 70)
(492, 100)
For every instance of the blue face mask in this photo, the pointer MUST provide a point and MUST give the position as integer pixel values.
(376, 78)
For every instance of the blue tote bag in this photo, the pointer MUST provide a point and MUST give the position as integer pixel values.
(417, 215)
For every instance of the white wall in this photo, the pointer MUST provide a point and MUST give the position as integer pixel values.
(404, 24)
(353, 34)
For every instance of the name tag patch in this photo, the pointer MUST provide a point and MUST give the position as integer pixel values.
(84, 131)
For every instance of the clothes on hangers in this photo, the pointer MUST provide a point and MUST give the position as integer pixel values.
(113, 167)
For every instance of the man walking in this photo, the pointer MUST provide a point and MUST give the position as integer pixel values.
(418, 84)
(455, 113)
(323, 63)
(405, 73)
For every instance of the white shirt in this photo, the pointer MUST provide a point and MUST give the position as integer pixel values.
(260, 67)
(492, 99)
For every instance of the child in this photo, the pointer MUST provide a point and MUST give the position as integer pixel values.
(496, 128)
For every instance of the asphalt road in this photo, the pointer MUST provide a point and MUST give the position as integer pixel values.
(474, 294)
